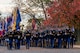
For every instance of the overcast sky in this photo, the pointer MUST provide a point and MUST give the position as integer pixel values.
(6, 7)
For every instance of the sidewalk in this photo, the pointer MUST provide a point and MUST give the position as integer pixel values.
(39, 50)
(77, 46)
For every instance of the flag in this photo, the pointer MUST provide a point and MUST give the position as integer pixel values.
(18, 20)
(5, 24)
(36, 26)
(3, 27)
(33, 23)
(9, 21)
(14, 14)
(0, 28)
(0, 25)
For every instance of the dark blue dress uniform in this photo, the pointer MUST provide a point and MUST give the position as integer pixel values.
(73, 38)
(22, 37)
(59, 35)
(63, 39)
(0, 40)
(36, 38)
(27, 38)
(41, 36)
(46, 38)
(9, 35)
(17, 37)
(52, 38)
(68, 37)
(40, 39)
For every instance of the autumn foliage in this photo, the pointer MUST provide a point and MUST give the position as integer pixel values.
(63, 12)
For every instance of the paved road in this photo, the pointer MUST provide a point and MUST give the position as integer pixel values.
(38, 50)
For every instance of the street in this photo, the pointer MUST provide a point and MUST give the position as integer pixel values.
(3, 49)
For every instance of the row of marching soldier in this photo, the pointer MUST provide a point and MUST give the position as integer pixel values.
(40, 38)
(13, 36)
(54, 39)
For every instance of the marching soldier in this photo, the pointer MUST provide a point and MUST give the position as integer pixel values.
(52, 38)
(22, 37)
(0, 40)
(9, 36)
(73, 38)
(64, 39)
(68, 37)
(46, 38)
(36, 38)
(27, 37)
(33, 37)
(17, 37)
(41, 36)
(59, 35)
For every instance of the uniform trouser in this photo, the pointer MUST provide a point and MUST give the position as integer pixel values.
(41, 41)
(59, 43)
(68, 41)
(3, 41)
(36, 42)
(28, 42)
(10, 43)
(52, 42)
(47, 42)
(72, 42)
(22, 42)
(0, 41)
(17, 44)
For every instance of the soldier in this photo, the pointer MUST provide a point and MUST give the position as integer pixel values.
(64, 39)
(36, 38)
(73, 38)
(14, 38)
(32, 37)
(59, 35)
(0, 40)
(27, 37)
(46, 38)
(39, 38)
(68, 38)
(52, 38)
(9, 36)
(22, 37)
(42, 35)
(17, 37)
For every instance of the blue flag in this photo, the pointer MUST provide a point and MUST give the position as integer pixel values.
(18, 19)
(9, 21)
(5, 25)
(0, 25)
